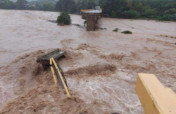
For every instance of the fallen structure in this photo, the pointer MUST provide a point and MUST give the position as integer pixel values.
(48, 59)
(58, 76)
(45, 58)
(92, 16)
(154, 97)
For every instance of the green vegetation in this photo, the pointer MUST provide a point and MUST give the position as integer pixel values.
(66, 6)
(145, 9)
(21, 4)
(116, 30)
(127, 32)
(46, 5)
(131, 14)
(64, 19)
(7, 4)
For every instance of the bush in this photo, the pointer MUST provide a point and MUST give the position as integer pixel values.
(116, 30)
(127, 32)
(168, 17)
(113, 14)
(64, 19)
(131, 14)
(170, 11)
(148, 13)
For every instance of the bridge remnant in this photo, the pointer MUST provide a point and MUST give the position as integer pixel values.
(92, 16)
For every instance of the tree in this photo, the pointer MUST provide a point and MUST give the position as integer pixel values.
(149, 13)
(129, 4)
(48, 6)
(66, 6)
(86, 4)
(64, 19)
(138, 6)
(131, 14)
(21, 4)
(114, 7)
(7, 4)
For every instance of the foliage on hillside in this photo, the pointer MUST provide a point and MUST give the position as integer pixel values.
(147, 9)
(46, 5)
(151, 9)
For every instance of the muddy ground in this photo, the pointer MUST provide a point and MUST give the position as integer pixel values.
(100, 67)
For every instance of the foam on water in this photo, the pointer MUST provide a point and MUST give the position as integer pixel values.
(111, 92)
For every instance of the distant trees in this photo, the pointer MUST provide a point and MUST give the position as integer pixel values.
(46, 5)
(49, 6)
(66, 6)
(114, 8)
(7, 4)
(21, 4)
(150, 9)
(131, 14)
(149, 13)
(85, 4)
(74, 6)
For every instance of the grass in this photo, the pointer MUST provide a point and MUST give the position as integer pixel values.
(116, 30)
(127, 32)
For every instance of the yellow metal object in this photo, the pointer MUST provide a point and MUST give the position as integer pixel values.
(154, 97)
(61, 77)
(52, 70)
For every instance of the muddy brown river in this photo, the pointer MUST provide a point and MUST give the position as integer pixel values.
(100, 67)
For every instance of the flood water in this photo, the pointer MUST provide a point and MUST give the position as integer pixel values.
(150, 49)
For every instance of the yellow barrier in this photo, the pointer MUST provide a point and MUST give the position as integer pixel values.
(154, 97)
(52, 61)
(53, 73)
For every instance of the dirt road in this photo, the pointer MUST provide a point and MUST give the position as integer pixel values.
(101, 67)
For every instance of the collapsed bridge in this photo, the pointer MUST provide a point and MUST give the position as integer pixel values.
(92, 16)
